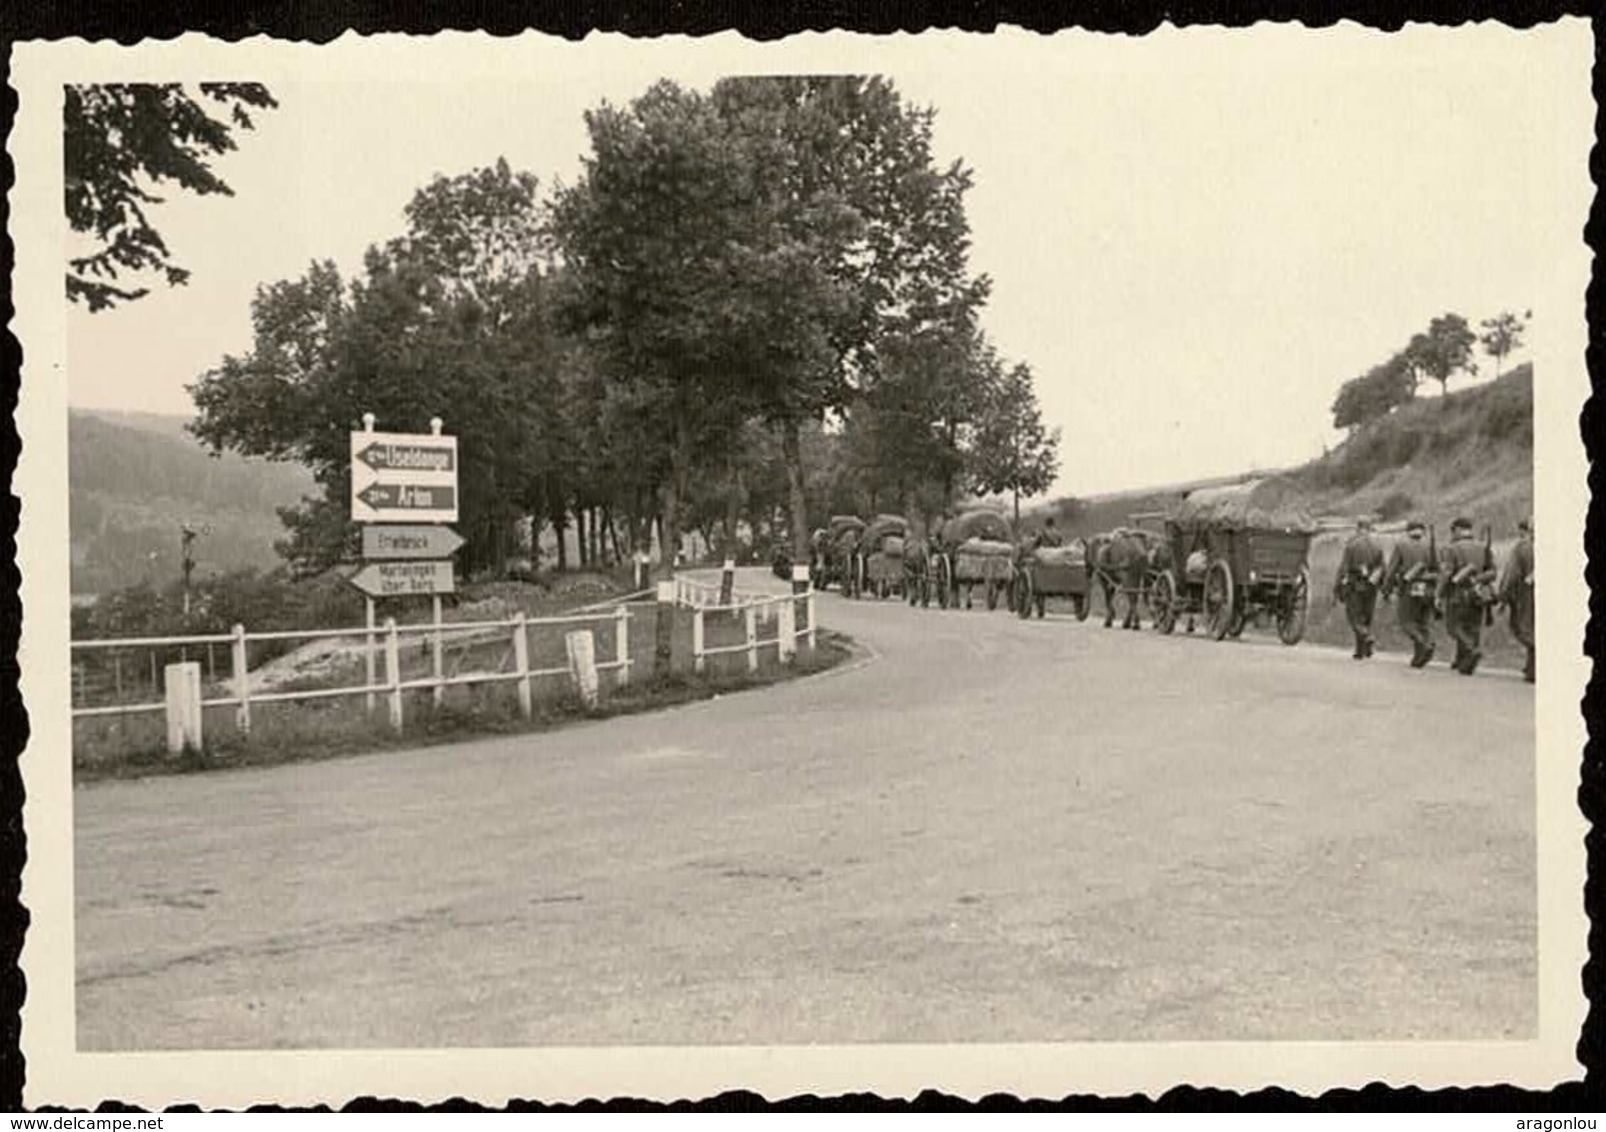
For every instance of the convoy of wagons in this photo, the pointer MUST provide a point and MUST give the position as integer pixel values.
(1225, 557)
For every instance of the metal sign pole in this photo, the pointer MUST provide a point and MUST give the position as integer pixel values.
(368, 654)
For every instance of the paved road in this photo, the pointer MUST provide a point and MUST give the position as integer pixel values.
(987, 830)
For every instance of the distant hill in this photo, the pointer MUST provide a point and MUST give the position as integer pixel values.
(133, 478)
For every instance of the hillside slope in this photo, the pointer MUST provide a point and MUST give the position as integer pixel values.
(1469, 453)
(134, 478)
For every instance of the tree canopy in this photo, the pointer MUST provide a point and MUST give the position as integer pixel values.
(121, 141)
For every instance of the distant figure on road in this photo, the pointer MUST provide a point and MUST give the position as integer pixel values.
(1464, 575)
(1517, 593)
(1410, 577)
(1360, 573)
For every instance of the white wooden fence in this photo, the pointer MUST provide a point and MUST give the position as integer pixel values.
(389, 637)
(753, 610)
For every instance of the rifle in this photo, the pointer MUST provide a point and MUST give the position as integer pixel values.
(1433, 557)
(1488, 569)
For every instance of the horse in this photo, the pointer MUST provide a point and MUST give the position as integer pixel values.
(1120, 562)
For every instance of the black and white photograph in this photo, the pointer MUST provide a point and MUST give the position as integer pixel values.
(991, 563)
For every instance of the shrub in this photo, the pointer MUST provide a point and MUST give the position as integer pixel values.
(1395, 504)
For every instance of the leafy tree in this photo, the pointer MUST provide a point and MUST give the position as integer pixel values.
(1012, 450)
(449, 320)
(1502, 335)
(1444, 350)
(121, 140)
(860, 250)
(658, 241)
(1376, 393)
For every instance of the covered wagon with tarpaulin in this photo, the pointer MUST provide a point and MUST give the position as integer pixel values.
(880, 555)
(974, 548)
(1046, 571)
(1237, 555)
(832, 550)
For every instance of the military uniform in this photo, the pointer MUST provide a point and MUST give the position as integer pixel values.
(1517, 594)
(1464, 567)
(1410, 577)
(1360, 572)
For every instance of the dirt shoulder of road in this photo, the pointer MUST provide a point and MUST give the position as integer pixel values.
(315, 737)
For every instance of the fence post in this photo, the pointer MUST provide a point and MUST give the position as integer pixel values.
(621, 646)
(582, 650)
(521, 663)
(393, 671)
(803, 601)
(786, 630)
(727, 581)
(183, 694)
(438, 693)
(752, 639)
(697, 639)
(242, 683)
(664, 629)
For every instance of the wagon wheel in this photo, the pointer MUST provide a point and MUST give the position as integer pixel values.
(1023, 595)
(1084, 602)
(992, 593)
(944, 583)
(1042, 605)
(1218, 598)
(1291, 618)
(1163, 602)
(1235, 627)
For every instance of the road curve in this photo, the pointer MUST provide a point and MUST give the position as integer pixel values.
(986, 830)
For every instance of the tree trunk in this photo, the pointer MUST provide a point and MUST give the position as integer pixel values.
(1017, 508)
(582, 548)
(560, 527)
(797, 506)
(674, 494)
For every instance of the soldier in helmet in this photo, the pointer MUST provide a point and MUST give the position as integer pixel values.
(1466, 571)
(1360, 573)
(1517, 593)
(1410, 577)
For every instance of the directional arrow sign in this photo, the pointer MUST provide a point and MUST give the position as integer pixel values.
(413, 456)
(395, 579)
(392, 541)
(403, 477)
(409, 498)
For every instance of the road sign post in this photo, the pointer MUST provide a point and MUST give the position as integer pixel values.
(401, 483)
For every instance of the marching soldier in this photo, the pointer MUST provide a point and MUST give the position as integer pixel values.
(1517, 593)
(1410, 576)
(1466, 572)
(1360, 572)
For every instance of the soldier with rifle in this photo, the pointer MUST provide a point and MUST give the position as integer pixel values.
(1360, 573)
(1466, 593)
(1517, 593)
(1412, 577)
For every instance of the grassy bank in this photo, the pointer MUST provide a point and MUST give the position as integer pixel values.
(135, 746)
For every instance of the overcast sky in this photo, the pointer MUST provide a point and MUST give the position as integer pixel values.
(1193, 237)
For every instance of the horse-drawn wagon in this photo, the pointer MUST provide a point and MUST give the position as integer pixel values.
(1043, 572)
(879, 561)
(973, 548)
(1237, 554)
(833, 550)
